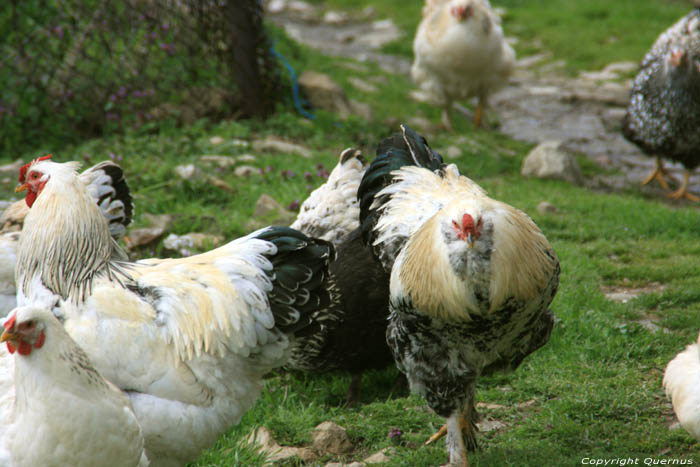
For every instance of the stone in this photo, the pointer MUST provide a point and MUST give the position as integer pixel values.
(272, 143)
(274, 452)
(329, 437)
(246, 158)
(218, 160)
(452, 152)
(550, 160)
(269, 212)
(192, 242)
(362, 85)
(218, 183)
(214, 140)
(361, 109)
(380, 457)
(490, 425)
(324, 93)
(546, 208)
(245, 171)
(160, 224)
(335, 17)
(187, 171)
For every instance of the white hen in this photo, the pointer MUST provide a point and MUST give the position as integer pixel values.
(59, 410)
(682, 384)
(188, 339)
(460, 52)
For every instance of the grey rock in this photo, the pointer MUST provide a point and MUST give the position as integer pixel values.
(546, 208)
(272, 143)
(329, 437)
(191, 243)
(550, 160)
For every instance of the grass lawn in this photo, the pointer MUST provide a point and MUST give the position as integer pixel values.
(594, 391)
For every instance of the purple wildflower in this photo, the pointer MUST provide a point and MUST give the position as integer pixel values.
(293, 206)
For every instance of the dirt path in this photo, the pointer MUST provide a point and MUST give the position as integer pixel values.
(584, 112)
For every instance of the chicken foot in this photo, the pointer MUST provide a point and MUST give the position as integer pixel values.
(660, 173)
(682, 191)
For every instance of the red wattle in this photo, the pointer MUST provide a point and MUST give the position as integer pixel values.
(30, 198)
(10, 347)
(24, 348)
(40, 340)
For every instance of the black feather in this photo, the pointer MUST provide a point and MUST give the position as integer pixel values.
(299, 277)
(121, 190)
(406, 148)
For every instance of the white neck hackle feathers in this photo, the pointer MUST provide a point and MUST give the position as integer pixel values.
(521, 263)
(75, 248)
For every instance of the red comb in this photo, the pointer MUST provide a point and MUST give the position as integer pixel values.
(25, 167)
(10, 322)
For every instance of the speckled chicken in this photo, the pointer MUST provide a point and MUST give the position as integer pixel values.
(663, 115)
(460, 52)
(348, 335)
(471, 279)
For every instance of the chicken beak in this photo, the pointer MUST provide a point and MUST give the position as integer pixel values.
(470, 240)
(21, 187)
(8, 336)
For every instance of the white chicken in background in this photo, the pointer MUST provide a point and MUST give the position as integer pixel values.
(471, 279)
(459, 53)
(682, 384)
(106, 185)
(331, 211)
(189, 340)
(57, 409)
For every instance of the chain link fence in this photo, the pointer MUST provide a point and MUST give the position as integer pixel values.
(72, 69)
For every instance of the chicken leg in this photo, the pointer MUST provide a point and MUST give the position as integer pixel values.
(479, 114)
(682, 191)
(446, 118)
(659, 173)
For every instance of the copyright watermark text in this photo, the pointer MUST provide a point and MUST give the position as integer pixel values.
(622, 461)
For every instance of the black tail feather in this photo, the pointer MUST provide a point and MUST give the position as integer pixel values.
(113, 196)
(299, 277)
(406, 148)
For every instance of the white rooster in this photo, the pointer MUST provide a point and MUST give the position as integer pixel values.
(682, 384)
(106, 185)
(189, 340)
(471, 279)
(460, 52)
(57, 410)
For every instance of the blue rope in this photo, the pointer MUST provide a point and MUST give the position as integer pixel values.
(295, 84)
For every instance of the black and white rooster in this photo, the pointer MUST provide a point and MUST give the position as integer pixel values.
(471, 279)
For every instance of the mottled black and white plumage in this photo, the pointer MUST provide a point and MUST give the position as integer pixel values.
(663, 115)
(348, 335)
(471, 278)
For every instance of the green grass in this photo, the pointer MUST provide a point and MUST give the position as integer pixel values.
(586, 34)
(594, 391)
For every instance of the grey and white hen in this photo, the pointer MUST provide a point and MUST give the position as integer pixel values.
(663, 115)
